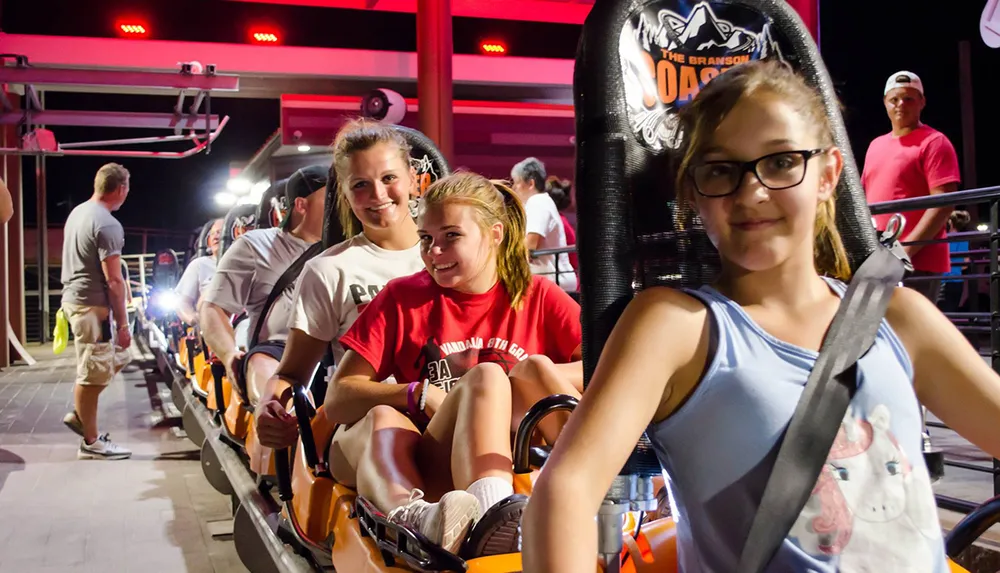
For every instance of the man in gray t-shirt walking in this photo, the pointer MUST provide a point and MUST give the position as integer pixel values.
(94, 293)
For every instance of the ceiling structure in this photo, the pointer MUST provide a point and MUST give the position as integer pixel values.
(554, 11)
(270, 71)
(489, 137)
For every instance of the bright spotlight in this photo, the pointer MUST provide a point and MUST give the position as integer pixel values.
(304, 149)
(982, 227)
(225, 199)
(238, 185)
(165, 300)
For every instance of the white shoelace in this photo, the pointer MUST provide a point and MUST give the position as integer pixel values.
(407, 514)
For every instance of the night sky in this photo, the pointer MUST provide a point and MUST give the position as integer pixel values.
(861, 44)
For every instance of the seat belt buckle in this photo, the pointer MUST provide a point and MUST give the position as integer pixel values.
(890, 240)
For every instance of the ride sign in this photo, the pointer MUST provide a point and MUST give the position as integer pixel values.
(989, 24)
(670, 50)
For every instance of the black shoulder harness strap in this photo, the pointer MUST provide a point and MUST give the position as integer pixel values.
(286, 280)
(820, 411)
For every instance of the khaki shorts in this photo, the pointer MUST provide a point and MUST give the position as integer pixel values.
(97, 360)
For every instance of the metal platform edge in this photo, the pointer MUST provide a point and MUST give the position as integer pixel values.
(284, 559)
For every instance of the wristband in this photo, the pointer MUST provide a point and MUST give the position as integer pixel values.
(423, 398)
(411, 403)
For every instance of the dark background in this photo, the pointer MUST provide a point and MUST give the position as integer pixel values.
(862, 44)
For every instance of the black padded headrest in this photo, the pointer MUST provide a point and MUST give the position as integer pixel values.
(202, 249)
(239, 220)
(637, 62)
(270, 204)
(166, 269)
(425, 157)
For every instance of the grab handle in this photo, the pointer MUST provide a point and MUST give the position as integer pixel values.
(535, 414)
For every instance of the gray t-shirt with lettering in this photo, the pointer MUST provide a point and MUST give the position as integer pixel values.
(90, 236)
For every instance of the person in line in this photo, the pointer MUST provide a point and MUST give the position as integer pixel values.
(465, 340)
(713, 375)
(544, 227)
(955, 291)
(248, 271)
(6, 203)
(94, 295)
(372, 163)
(197, 276)
(561, 191)
(913, 160)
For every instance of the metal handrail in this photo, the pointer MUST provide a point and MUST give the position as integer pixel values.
(555, 251)
(967, 197)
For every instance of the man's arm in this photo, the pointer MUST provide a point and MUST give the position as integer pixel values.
(940, 165)
(218, 331)
(112, 268)
(225, 295)
(187, 294)
(531, 240)
(186, 311)
(931, 222)
(6, 203)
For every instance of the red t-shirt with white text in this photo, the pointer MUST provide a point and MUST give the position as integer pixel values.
(414, 329)
(910, 166)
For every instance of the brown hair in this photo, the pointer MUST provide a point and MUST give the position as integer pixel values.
(494, 202)
(559, 190)
(959, 220)
(109, 178)
(706, 112)
(355, 136)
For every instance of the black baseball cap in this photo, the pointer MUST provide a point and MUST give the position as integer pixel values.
(303, 183)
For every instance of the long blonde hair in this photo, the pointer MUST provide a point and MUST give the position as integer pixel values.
(709, 108)
(355, 136)
(494, 202)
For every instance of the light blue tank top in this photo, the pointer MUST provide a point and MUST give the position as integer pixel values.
(872, 508)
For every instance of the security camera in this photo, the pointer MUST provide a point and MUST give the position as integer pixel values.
(383, 105)
(191, 68)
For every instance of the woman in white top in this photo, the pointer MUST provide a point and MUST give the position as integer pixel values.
(374, 185)
(544, 227)
(197, 276)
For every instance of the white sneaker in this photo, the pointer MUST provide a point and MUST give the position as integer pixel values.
(445, 523)
(102, 449)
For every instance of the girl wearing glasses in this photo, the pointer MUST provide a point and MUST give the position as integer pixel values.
(760, 170)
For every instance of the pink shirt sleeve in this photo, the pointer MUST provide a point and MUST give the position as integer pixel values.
(940, 162)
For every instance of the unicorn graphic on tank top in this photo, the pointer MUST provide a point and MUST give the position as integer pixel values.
(869, 493)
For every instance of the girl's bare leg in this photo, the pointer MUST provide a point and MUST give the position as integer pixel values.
(538, 377)
(377, 455)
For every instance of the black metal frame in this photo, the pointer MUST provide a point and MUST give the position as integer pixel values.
(990, 195)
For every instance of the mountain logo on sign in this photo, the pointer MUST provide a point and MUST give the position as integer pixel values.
(703, 31)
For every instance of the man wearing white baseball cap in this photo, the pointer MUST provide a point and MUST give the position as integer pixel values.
(913, 160)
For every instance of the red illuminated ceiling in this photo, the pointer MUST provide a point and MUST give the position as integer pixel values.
(555, 11)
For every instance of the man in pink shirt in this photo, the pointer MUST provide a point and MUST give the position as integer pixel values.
(914, 160)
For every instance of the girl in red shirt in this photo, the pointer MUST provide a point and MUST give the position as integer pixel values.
(469, 340)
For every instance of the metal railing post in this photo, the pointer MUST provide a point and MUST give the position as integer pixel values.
(994, 312)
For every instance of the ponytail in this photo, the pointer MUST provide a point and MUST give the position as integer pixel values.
(512, 258)
(494, 202)
(831, 258)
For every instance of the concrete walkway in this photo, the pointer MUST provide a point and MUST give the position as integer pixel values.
(148, 514)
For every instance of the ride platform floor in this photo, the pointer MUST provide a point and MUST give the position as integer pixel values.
(147, 514)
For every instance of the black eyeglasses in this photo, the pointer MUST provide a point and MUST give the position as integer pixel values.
(775, 171)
